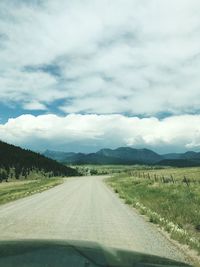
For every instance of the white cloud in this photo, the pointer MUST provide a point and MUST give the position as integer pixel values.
(134, 56)
(34, 106)
(91, 132)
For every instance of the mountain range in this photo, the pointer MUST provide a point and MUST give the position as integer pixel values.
(126, 155)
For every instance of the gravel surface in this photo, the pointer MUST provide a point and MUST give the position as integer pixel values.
(83, 208)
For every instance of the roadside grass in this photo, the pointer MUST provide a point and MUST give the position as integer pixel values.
(14, 190)
(173, 206)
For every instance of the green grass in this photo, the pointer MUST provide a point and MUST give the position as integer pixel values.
(177, 173)
(94, 169)
(174, 206)
(14, 190)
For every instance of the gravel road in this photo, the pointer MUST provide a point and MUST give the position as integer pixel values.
(83, 208)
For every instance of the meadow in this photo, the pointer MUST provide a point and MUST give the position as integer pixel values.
(14, 190)
(169, 197)
(94, 169)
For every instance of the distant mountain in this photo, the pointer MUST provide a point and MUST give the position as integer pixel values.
(132, 155)
(16, 162)
(57, 155)
(187, 155)
(121, 155)
(172, 156)
(126, 155)
(187, 159)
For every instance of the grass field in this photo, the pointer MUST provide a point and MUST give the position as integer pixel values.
(93, 169)
(14, 190)
(170, 197)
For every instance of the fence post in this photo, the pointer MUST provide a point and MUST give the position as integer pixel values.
(187, 182)
(172, 178)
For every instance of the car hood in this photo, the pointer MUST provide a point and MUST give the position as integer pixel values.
(57, 253)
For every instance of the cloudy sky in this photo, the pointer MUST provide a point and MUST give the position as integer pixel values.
(85, 74)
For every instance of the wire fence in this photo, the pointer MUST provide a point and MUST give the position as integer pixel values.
(169, 179)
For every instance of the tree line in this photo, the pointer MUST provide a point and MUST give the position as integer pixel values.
(16, 162)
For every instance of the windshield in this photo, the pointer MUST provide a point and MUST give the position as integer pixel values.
(99, 132)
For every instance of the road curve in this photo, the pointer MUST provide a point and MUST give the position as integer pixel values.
(83, 208)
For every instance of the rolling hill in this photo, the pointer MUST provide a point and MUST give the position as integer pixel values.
(126, 155)
(16, 162)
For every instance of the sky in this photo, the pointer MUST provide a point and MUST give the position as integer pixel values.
(83, 75)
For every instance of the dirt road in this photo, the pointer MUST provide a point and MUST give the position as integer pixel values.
(83, 209)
